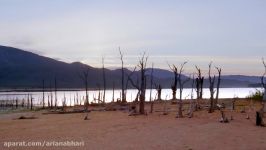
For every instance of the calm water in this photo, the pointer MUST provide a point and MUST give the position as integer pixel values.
(131, 94)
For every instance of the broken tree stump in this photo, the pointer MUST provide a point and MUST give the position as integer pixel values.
(259, 118)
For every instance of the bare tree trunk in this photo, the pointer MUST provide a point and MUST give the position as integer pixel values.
(233, 104)
(16, 103)
(264, 86)
(87, 97)
(151, 86)
(181, 87)
(51, 93)
(123, 77)
(151, 83)
(180, 103)
(28, 102)
(174, 85)
(198, 88)
(199, 84)
(113, 99)
(85, 78)
(159, 91)
(142, 87)
(55, 93)
(201, 87)
(49, 101)
(43, 102)
(64, 103)
(218, 85)
(22, 104)
(31, 103)
(77, 98)
(211, 87)
(99, 94)
(193, 103)
(104, 81)
(137, 97)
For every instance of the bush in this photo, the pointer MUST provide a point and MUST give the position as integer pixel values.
(258, 95)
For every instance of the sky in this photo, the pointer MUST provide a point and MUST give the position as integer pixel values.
(230, 33)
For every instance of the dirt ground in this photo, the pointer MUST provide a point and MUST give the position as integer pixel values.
(115, 130)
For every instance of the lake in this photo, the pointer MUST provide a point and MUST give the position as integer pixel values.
(70, 96)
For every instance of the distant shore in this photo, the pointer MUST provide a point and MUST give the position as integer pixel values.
(82, 89)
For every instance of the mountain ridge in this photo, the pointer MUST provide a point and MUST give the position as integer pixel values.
(23, 69)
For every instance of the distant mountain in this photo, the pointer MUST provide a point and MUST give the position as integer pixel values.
(252, 79)
(23, 69)
(161, 73)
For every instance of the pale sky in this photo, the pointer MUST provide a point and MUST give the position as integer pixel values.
(231, 33)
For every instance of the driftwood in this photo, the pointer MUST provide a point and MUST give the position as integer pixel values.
(23, 117)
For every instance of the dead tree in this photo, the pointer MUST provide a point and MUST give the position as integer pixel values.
(192, 101)
(99, 94)
(233, 103)
(129, 76)
(55, 93)
(23, 103)
(51, 93)
(174, 85)
(31, 102)
(151, 82)
(142, 87)
(151, 86)
(137, 96)
(48, 101)
(16, 103)
(159, 91)
(142, 66)
(264, 86)
(43, 102)
(199, 83)
(64, 103)
(77, 98)
(127, 83)
(211, 88)
(104, 81)
(218, 85)
(181, 83)
(28, 101)
(113, 99)
(123, 77)
(84, 76)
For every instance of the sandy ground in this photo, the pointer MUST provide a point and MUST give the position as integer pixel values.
(115, 130)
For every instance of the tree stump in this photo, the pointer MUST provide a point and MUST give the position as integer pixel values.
(259, 118)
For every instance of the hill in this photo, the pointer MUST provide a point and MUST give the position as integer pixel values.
(23, 69)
